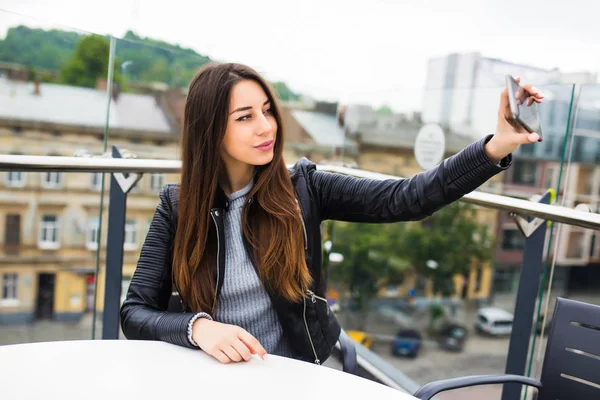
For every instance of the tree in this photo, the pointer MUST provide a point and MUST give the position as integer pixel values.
(38, 48)
(446, 244)
(385, 110)
(437, 248)
(88, 62)
(370, 263)
(82, 59)
(284, 92)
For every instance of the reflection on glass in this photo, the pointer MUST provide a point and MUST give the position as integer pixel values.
(575, 254)
(50, 105)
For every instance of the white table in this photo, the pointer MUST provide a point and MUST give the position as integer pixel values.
(126, 369)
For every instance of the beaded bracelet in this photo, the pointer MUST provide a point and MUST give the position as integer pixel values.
(191, 323)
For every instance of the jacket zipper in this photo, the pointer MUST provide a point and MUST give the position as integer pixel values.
(314, 297)
(317, 361)
(212, 213)
(312, 345)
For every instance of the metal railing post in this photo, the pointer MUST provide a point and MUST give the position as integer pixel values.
(120, 185)
(529, 286)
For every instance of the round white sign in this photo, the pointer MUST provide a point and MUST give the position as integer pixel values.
(430, 146)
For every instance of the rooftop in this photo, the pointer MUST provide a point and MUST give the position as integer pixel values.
(71, 105)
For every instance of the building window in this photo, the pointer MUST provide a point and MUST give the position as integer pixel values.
(157, 181)
(525, 173)
(575, 245)
(15, 179)
(130, 234)
(506, 280)
(97, 181)
(527, 150)
(52, 179)
(49, 232)
(12, 233)
(9, 289)
(513, 239)
(93, 231)
(550, 179)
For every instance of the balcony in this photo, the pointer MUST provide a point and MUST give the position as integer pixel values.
(63, 275)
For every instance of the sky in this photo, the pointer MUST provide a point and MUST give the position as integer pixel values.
(375, 50)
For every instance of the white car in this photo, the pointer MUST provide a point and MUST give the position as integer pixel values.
(494, 321)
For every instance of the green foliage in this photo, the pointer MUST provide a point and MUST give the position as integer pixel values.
(377, 255)
(385, 110)
(284, 92)
(37, 48)
(370, 262)
(88, 62)
(452, 238)
(82, 59)
(148, 60)
(436, 316)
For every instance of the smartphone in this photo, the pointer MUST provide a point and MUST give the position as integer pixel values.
(527, 116)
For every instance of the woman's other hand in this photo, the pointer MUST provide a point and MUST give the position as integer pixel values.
(226, 343)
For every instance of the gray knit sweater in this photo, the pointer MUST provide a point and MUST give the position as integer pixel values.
(243, 300)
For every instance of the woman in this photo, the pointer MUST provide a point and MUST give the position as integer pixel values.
(238, 243)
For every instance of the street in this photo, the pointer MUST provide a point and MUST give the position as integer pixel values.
(481, 356)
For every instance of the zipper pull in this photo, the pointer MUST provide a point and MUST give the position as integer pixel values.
(312, 296)
(317, 361)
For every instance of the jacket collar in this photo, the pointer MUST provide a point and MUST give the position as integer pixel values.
(221, 201)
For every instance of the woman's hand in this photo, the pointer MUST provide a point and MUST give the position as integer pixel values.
(510, 134)
(225, 342)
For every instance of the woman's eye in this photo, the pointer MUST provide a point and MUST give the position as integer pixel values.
(268, 111)
(243, 118)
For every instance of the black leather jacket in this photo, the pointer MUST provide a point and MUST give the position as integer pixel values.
(153, 311)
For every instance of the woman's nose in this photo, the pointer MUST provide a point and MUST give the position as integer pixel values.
(265, 125)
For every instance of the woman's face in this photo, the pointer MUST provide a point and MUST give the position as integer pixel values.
(251, 127)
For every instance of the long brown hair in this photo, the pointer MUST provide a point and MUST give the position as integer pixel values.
(272, 223)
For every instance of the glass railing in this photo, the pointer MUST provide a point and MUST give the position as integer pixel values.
(426, 300)
(418, 295)
(49, 257)
(573, 255)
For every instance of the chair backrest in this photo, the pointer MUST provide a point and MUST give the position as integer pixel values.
(571, 367)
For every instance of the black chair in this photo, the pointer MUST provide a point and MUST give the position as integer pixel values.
(348, 350)
(571, 368)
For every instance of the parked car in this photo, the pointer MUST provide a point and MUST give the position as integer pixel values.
(452, 336)
(494, 321)
(407, 343)
(361, 337)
